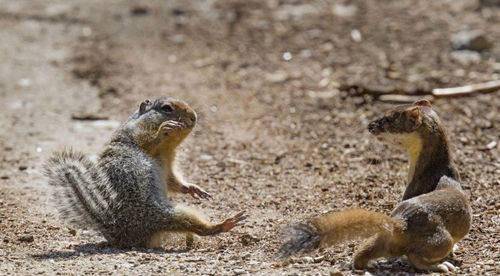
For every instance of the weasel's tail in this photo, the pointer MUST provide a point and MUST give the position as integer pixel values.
(336, 227)
(82, 193)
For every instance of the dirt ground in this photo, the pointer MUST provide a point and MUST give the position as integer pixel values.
(284, 91)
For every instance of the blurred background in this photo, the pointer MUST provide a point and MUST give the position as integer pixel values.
(284, 91)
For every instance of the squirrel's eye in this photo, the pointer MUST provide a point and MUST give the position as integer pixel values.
(167, 108)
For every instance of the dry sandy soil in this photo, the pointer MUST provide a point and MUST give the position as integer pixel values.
(284, 90)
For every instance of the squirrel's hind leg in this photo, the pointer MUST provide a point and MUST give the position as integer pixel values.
(157, 240)
(184, 219)
(189, 240)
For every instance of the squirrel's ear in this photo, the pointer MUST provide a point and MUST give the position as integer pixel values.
(422, 102)
(143, 106)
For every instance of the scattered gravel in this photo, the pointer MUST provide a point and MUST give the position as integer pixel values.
(282, 130)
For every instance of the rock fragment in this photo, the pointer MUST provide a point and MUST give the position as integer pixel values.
(466, 57)
(474, 40)
(139, 10)
(26, 238)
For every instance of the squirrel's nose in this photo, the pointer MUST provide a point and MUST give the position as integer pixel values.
(191, 115)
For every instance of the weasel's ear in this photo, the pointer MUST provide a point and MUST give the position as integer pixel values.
(415, 115)
(144, 105)
(422, 103)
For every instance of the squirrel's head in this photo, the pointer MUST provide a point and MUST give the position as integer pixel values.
(168, 119)
(164, 109)
(406, 125)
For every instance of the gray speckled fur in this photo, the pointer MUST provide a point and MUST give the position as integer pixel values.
(122, 195)
(140, 209)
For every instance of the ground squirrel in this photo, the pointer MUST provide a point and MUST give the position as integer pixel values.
(124, 193)
(434, 215)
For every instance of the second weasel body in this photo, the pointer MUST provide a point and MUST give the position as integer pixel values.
(434, 215)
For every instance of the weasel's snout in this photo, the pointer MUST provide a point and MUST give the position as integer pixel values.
(376, 127)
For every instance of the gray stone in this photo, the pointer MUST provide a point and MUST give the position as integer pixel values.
(475, 40)
(466, 57)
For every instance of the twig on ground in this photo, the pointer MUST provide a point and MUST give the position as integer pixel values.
(377, 91)
(61, 18)
(484, 87)
(397, 98)
(87, 117)
(401, 96)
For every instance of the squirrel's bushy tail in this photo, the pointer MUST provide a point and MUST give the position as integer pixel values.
(336, 227)
(81, 193)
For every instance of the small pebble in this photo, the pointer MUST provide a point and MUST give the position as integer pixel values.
(308, 260)
(26, 238)
(139, 10)
(475, 40)
(239, 271)
(466, 57)
(277, 77)
(72, 232)
(24, 82)
(356, 35)
(491, 145)
(287, 56)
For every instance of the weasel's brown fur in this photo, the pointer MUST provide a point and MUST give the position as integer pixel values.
(434, 215)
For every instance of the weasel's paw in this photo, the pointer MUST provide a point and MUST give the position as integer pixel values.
(195, 191)
(446, 267)
(230, 223)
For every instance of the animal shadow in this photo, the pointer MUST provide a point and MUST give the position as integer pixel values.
(103, 248)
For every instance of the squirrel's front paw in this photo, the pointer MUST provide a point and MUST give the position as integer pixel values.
(169, 126)
(195, 191)
(230, 223)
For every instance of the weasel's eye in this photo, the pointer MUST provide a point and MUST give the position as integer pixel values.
(167, 108)
(395, 116)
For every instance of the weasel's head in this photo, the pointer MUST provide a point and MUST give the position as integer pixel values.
(406, 125)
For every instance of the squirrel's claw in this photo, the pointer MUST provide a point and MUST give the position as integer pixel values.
(234, 221)
(196, 192)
